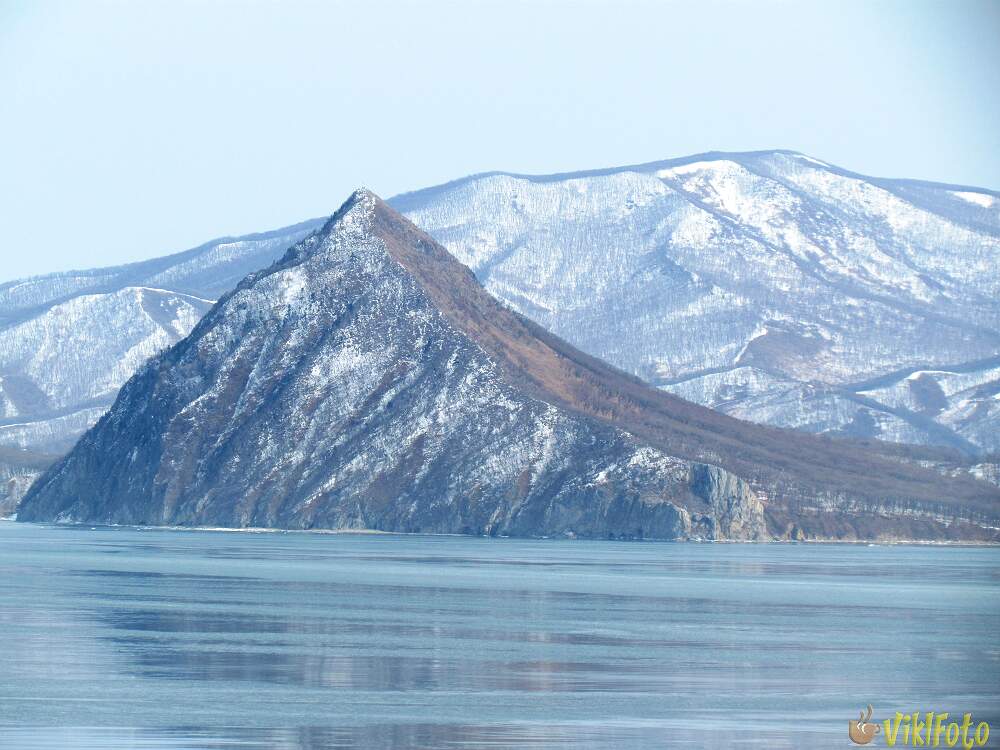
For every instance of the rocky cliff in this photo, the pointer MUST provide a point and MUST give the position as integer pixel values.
(18, 470)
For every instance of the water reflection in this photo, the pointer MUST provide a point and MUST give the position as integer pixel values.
(529, 736)
(202, 640)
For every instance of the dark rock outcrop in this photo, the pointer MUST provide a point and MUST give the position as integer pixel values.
(735, 511)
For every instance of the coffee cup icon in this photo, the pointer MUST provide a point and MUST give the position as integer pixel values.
(862, 731)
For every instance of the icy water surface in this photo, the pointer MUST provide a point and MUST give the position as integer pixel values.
(128, 638)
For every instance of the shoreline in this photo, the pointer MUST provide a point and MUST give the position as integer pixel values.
(380, 532)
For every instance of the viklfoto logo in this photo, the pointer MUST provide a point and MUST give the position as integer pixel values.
(920, 729)
(861, 731)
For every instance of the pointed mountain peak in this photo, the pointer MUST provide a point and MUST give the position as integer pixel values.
(363, 199)
(368, 381)
(364, 216)
(354, 222)
(355, 211)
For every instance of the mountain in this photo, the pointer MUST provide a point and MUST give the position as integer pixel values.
(69, 341)
(770, 286)
(367, 380)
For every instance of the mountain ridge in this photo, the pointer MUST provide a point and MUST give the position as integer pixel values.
(684, 161)
(897, 501)
(329, 301)
(664, 281)
(492, 236)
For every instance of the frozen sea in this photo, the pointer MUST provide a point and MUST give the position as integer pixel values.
(154, 638)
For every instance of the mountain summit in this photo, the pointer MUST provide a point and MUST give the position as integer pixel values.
(771, 286)
(366, 380)
(345, 387)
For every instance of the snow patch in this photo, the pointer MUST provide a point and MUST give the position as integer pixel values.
(803, 157)
(980, 199)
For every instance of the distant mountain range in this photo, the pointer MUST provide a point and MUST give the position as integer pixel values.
(368, 381)
(69, 341)
(770, 286)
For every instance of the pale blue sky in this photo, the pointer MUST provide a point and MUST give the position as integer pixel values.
(129, 130)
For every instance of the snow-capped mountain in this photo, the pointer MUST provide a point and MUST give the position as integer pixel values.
(343, 388)
(770, 286)
(69, 384)
(367, 380)
(207, 271)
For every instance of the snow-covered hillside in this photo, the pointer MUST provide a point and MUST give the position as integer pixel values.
(368, 381)
(771, 286)
(340, 389)
(69, 341)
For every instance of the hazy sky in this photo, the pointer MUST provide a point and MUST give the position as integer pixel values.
(133, 129)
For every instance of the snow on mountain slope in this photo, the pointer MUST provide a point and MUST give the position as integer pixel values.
(206, 271)
(771, 286)
(367, 380)
(339, 389)
(62, 374)
(69, 341)
(768, 285)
